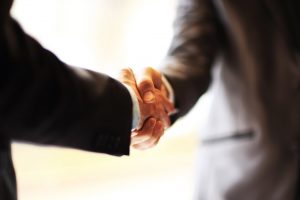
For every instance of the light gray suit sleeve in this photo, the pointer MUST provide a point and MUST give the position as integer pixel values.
(192, 52)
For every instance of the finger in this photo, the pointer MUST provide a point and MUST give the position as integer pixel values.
(144, 133)
(149, 80)
(151, 142)
(166, 120)
(146, 90)
(127, 76)
(164, 91)
(167, 104)
(155, 76)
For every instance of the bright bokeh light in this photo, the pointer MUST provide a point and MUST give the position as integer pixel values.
(103, 35)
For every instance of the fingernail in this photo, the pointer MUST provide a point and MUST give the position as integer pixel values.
(149, 96)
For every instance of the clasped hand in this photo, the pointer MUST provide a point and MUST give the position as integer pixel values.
(154, 106)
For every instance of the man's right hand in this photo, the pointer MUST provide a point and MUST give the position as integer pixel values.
(154, 109)
(150, 81)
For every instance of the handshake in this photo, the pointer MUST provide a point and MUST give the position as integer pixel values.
(154, 106)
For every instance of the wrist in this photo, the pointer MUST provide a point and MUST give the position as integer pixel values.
(136, 116)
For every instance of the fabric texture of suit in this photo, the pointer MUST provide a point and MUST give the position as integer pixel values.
(246, 53)
(44, 101)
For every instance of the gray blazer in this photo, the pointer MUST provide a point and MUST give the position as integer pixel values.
(247, 54)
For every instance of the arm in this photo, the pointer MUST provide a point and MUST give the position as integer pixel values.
(190, 57)
(192, 52)
(42, 100)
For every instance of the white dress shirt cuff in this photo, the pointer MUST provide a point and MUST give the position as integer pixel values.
(135, 108)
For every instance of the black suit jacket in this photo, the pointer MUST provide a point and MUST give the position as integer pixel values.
(42, 100)
(247, 52)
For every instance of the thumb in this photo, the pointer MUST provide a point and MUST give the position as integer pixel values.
(148, 81)
(146, 89)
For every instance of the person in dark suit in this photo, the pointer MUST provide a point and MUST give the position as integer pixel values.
(248, 54)
(44, 101)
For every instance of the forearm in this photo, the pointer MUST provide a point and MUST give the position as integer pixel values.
(192, 52)
(45, 101)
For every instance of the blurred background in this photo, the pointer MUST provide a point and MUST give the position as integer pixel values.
(106, 35)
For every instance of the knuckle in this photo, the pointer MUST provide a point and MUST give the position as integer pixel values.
(145, 84)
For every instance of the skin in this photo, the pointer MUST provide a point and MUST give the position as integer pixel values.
(154, 107)
(149, 82)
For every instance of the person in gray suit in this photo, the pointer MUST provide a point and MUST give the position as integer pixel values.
(247, 54)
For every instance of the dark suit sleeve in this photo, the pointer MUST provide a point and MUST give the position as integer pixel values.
(42, 100)
(192, 52)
